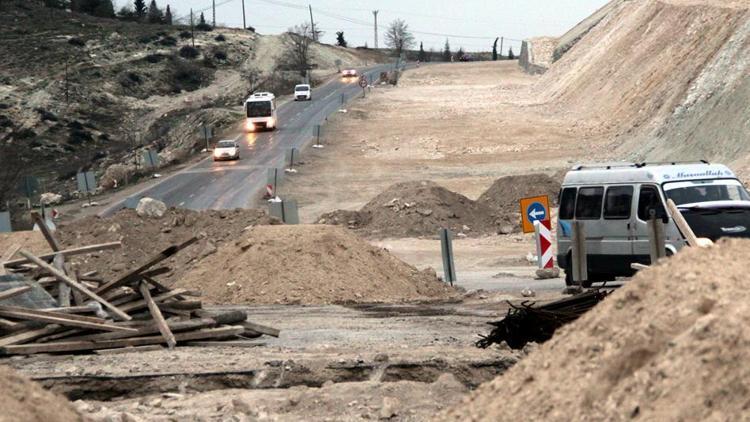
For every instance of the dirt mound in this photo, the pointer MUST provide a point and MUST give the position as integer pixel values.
(24, 400)
(418, 209)
(505, 193)
(675, 91)
(676, 334)
(142, 238)
(309, 265)
(32, 241)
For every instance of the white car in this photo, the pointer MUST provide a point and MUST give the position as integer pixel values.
(349, 73)
(227, 150)
(302, 92)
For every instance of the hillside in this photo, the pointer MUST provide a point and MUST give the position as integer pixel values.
(670, 78)
(79, 91)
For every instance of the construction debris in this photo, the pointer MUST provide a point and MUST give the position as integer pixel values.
(526, 322)
(45, 307)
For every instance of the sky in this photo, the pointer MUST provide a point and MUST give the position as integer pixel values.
(471, 24)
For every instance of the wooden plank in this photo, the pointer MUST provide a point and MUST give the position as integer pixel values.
(682, 224)
(235, 343)
(63, 290)
(8, 255)
(8, 325)
(7, 294)
(140, 304)
(166, 253)
(53, 313)
(68, 322)
(636, 266)
(29, 335)
(262, 329)
(46, 232)
(130, 349)
(72, 310)
(158, 317)
(74, 284)
(174, 326)
(67, 252)
(76, 346)
(183, 305)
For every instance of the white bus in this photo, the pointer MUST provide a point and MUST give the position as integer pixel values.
(260, 112)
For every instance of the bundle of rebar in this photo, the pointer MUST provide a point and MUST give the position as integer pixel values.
(528, 322)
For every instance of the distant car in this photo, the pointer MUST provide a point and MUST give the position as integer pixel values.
(302, 92)
(227, 150)
(349, 73)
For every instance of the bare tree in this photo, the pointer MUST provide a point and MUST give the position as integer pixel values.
(297, 55)
(398, 37)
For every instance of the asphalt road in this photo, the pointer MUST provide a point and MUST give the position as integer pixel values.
(236, 184)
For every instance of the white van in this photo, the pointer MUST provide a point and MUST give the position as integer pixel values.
(260, 111)
(302, 92)
(613, 201)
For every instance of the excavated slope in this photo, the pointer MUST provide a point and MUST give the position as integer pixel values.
(670, 77)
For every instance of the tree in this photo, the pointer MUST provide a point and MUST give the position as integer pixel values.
(422, 55)
(155, 15)
(340, 41)
(57, 4)
(430, 54)
(297, 41)
(168, 16)
(105, 9)
(398, 37)
(140, 9)
(447, 51)
(460, 54)
(102, 8)
(202, 25)
(494, 49)
(510, 54)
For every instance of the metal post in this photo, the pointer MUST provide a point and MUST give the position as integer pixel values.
(375, 13)
(192, 28)
(657, 241)
(446, 245)
(244, 22)
(312, 24)
(317, 134)
(213, 6)
(580, 260)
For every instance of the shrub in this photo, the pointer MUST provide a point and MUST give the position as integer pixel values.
(220, 38)
(168, 41)
(185, 76)
(189, 52)
(145, 39)
(220, 55)
(154, 58)
(77, 42)
(185, 35)
(46, 115)
(78, 136)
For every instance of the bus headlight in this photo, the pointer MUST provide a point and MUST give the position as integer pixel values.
(250, 126)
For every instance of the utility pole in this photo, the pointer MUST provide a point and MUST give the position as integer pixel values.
(502, 39)
(312, 24)
(375, 13)
(213, 6)
(192, 29)
(244, 23)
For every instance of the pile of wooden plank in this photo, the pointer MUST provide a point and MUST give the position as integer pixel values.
(46, 307)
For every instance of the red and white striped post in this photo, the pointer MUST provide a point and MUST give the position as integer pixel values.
(543, 231)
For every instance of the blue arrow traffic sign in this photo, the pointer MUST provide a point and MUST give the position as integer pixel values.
(536, 212)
